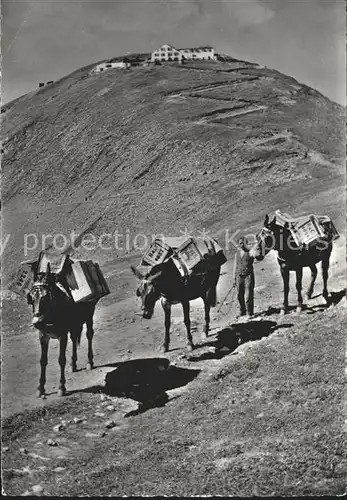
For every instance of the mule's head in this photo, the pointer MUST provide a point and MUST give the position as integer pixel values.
(266, 240)
(148, 291)
(39, 297)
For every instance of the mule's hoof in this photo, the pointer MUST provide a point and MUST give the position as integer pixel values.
(190, 347)
(73, 368)
(61, 392)
(40, 394)
(90, 366)
(282, 312)
(298, 310)
(164, 348)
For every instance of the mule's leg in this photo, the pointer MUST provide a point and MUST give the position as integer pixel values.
(186, 310)
(62, 363)
(325, 274)
(75, 335)
(167, 311)
(285, 277)
(313, 279)
(207, 307)
(44, 341)
(299, 289)
(90, 335)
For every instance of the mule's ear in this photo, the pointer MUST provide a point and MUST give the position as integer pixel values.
(155, 276)
(266, 221)
(34, 268)
(137, 272)
(48, 271)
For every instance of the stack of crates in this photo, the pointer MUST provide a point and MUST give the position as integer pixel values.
(305, 230)
(86, 281)
(189, 254)
(83, 278)
(308, 231)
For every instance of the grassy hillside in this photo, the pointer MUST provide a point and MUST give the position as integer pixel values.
(160, 149)
(268, 420)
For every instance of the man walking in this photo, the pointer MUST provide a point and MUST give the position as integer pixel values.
(244, 277)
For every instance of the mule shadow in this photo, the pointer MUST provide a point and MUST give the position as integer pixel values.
(232, 336)
(144, 380)
(334, 299)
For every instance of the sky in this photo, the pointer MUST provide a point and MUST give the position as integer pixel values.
(45, 40)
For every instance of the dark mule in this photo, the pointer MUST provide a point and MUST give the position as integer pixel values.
(55, 314)
(164, 281)
(292, 257)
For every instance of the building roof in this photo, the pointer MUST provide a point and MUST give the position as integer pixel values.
(206, 47)
(131, 57)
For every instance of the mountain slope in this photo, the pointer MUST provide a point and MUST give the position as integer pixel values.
(161, 149)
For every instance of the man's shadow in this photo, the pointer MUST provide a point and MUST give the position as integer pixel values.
(229, 339)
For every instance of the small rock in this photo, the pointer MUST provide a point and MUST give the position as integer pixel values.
(23, 450)
(91, 434)
(78, 420)
(110, 424)
(37, 488)
(102, 434)
(110, 408)
(51, 442)
(5, 448)
(59, 469)
(260, 415)
(99, 414)
(58, 427)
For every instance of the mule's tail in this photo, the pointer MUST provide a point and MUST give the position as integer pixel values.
(213, 296)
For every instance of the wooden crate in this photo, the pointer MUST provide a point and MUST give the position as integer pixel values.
(189, 254)
(307, 231)
(156, 254)
(24, 279)
(86, 281)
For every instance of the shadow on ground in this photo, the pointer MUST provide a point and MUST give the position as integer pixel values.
(231, 337)
(334, 299)
(145, 381)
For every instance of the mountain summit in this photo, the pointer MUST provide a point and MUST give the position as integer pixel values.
(165, 149)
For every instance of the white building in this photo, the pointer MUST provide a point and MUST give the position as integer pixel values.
(109, 65)
(166, 53)
(170, 53)
(205, 53)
